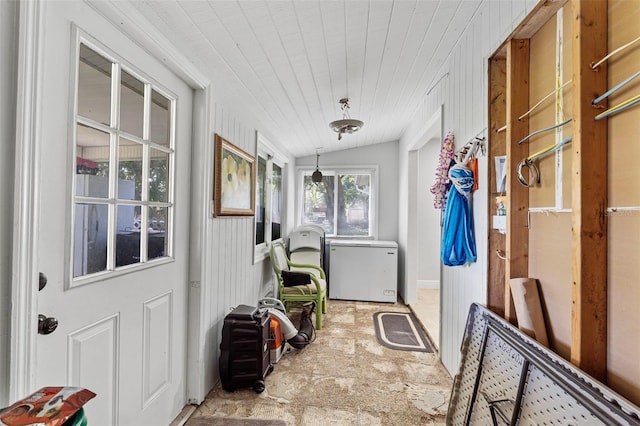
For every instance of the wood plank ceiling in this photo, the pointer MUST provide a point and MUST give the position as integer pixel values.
(287, 63)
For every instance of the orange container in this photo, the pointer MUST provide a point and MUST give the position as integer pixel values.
(277, 341)
(276, 334)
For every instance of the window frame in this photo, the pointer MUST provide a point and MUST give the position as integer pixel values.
(372, 170)
(271, 155)
(112, 201)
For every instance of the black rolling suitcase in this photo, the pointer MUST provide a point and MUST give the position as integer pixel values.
(245, 356)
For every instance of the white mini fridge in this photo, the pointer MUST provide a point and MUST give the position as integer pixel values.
(364, 270)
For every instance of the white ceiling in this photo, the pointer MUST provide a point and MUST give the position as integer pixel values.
(287, 63)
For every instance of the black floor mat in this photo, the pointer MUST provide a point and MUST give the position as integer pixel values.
(400, 331)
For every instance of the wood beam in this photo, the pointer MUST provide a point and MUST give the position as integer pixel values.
(497, 118)
(517, 239)
(589, 193)
(531, 24)
(539, 15)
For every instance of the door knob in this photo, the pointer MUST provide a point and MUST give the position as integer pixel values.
(46, 325)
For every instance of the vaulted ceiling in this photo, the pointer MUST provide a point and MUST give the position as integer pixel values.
(287, 63)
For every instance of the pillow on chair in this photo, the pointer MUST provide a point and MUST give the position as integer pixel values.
(290, 279)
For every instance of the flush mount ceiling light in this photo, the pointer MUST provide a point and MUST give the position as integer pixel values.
(347, 124)
(317, 175)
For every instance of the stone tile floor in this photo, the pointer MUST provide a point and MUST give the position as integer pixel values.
(427, 310)
(345, 377)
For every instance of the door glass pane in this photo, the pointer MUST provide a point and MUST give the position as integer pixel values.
(129, 170)
(319, 201)
(131, 104)
(158, 176)
(128, 218)
(260, 200)
(157, 241)
(92, 162)
(141, 160)
(127, 235)
(90, 238)
(276, 201)
(94, 86)
(160, 119)
(353, 204)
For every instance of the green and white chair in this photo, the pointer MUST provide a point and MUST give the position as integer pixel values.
(315, 291)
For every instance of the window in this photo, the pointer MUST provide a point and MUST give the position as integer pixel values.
(276, 201)
(343, 204)
(123, 173)
(261, 200)
(269, 197)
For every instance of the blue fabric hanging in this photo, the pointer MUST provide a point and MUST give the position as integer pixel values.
(458, 241)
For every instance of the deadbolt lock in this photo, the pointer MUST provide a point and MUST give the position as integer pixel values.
(42, 281)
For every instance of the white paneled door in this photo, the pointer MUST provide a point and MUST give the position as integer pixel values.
(112, 197)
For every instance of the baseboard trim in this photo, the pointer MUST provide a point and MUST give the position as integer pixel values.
(433, 284)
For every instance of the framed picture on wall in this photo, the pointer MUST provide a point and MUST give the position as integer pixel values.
(233, 180)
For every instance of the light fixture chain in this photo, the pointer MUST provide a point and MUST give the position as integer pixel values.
(345, 107)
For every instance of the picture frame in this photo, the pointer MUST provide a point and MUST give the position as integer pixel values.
(234, 176)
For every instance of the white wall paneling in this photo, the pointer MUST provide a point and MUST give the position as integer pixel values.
(464, 96)
(222, 272)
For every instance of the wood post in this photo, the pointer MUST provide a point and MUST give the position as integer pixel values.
(517, 239)
(497, 108)
(589, 191)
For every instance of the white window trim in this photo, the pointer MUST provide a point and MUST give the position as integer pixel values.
(269, 152)
(301, 171)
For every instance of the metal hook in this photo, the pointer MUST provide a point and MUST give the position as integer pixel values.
(534, 173)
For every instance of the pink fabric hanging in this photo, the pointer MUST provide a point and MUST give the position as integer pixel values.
(441, 186)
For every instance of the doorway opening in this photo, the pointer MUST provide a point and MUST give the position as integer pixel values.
(424, 266)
